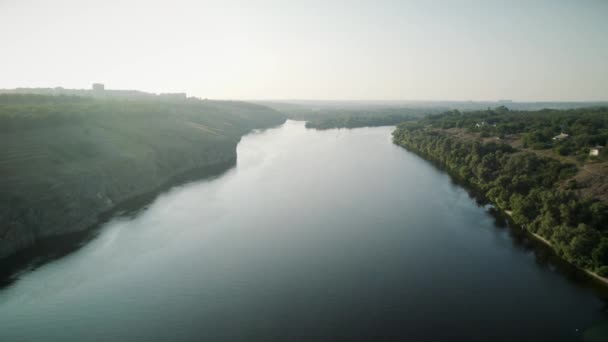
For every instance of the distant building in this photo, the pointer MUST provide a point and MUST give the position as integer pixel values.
(560, 136)
(480, 124)
(594, 152)
(98, 87)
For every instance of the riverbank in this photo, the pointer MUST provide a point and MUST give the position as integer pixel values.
(232, 255)
(587, 272)
(54, 247)
(69, 162)
(595, 276)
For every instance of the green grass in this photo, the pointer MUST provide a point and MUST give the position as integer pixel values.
(65, 159)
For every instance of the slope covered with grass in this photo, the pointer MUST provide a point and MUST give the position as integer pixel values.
(65, 160)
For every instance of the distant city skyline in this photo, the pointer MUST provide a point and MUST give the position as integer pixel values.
(317, 50)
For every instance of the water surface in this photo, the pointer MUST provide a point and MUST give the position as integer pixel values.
(314, 235)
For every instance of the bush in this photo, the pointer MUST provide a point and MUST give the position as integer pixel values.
(602, 271)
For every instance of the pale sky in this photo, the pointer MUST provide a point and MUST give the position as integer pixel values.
(528, 50)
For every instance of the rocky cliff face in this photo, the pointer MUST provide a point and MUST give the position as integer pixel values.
(65, 161)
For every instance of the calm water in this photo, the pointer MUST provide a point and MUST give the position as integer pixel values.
(334, 235)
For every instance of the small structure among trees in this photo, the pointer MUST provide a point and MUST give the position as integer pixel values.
(595, 151)
(561, 136)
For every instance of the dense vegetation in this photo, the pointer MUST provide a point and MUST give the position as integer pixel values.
(351, 114)
(353, 118)
(585, 128)
(347, 121)
(66, 159)
(511, 157)
(344, 114)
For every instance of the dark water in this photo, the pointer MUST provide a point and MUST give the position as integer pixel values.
(314, 236)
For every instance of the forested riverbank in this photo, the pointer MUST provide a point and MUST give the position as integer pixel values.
(357, 121)
(329, 115)
(313, 235)
(547, 192)
(66, 160)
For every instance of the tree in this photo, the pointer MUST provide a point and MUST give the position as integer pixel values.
(600, 254)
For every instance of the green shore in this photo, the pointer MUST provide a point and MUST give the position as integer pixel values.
(524, 187)
(593, 275)
(69, 161)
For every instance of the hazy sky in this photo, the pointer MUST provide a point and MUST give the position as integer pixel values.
(381, 50)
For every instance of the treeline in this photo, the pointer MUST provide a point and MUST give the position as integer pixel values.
(580, 129)
(535, 189)
(364, 117)
(358, 121)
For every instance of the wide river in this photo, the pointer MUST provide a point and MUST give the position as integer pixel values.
(313, 236)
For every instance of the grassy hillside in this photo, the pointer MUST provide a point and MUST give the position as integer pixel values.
(66, 159)
(552, 187)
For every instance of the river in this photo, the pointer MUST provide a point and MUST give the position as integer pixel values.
(313, 236)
